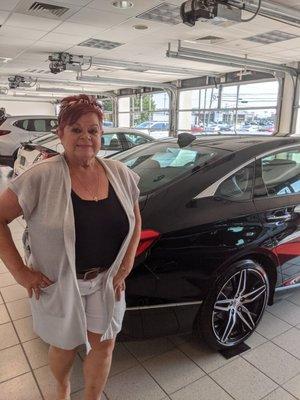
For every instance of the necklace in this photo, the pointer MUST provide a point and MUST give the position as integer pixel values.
(94, 196)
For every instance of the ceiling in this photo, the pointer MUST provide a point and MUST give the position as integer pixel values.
(27, 40)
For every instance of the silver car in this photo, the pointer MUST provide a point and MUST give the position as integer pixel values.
(114, 140)
(17, 129)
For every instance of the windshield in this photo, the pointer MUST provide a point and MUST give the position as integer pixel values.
(157, 164)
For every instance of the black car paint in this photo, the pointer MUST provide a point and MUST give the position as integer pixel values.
(200, 238)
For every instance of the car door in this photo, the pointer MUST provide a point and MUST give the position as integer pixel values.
(277, 199)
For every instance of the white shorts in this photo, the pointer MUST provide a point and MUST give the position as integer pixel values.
(92, 295)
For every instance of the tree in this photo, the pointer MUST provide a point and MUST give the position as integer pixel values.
(143, 107)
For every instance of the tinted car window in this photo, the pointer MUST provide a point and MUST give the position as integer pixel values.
(111, 142)
(281, 172)
(22, 123)
(157, 164)
(39, 125)
(134, 140)
(238, 186)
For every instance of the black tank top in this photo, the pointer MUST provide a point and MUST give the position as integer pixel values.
(100, 227)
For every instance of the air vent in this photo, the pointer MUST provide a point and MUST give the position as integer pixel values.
(44, 8)
(100, 44)
(210, 39)
(166, 13)
(271, 37)
(51, 9)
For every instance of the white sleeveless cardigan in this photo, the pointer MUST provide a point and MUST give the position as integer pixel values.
(44, 194)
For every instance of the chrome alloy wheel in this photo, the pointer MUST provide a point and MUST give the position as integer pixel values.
(239, 306)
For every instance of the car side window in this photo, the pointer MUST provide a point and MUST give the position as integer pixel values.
(239, 186)
(281, 172)
(22, 124)
(111, 142)
(134, 140)
(39, 125)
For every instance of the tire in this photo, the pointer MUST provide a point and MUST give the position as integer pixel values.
(234, 306)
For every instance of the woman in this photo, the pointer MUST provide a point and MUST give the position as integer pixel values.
(83, 230)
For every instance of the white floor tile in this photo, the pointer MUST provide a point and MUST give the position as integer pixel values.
(21, 388)
(293, 386)
(274, 362)
(13, 363)
(122, 360)
(290, 341)
(19, 309)
(14, 292)
(207, 359)
(271, 326)
(6, 279)
(4, 317)
(8, 336)
(173, 370)
(295, 297)
(279, 394)
(243, 381)
(24, 329)
(37, 352)
(203, 389)
(145, 349)
(134, 384)
(286, 311)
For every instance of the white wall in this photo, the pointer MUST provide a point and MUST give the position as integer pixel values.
(28, 108)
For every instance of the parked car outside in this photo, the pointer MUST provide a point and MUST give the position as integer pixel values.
(113, 140)
(17, 129)
(157, 129)
(220, 235)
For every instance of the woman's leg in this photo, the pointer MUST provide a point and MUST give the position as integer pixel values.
(61, 362)
(96, 366)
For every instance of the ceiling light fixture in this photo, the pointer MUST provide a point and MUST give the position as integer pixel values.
(123, 4)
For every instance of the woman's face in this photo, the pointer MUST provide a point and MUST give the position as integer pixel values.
(82, 140)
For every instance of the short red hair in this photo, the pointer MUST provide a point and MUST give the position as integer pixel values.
(74, 107)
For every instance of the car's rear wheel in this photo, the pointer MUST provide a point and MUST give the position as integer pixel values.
(234, 306)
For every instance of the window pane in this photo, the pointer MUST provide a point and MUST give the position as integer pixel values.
(124, 120)
(256, 121)
(281, 172)
(238, 186)
(124, 104)
(262, 94)
(189, 99)
(160, 101)
(229, 95)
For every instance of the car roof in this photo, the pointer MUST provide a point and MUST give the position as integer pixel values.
(249, 145)
(31, 116)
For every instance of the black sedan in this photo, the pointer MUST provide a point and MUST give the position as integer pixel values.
(220, 235)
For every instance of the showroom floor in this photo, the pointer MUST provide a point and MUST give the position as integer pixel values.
(177, 368)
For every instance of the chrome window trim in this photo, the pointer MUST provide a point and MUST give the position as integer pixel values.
(189, 303)
(210, 191)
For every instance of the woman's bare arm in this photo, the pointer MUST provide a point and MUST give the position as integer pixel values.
(9, 210)
(32, 280)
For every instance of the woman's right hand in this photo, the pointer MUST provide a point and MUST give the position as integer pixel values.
(32, 280)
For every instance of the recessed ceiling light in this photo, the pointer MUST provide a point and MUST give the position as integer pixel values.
(140, 27)
(123, 4)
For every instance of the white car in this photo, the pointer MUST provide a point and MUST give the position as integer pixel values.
(158, 130)
(114, 140)
(17, 129)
